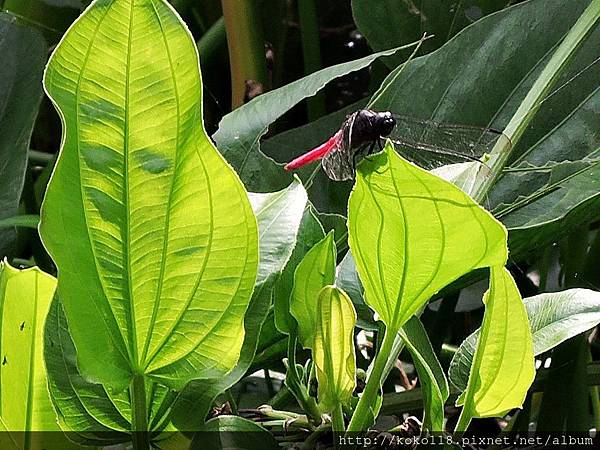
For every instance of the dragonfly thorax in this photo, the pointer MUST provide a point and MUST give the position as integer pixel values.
(367, 126)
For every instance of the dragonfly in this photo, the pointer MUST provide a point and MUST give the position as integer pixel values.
(427, 143)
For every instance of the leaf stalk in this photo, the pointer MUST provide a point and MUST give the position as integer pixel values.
(139, 413)
(531, 103)
(337, 424)
(361, 414)
(292, 381)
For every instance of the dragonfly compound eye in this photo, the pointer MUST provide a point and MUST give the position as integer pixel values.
(387, 123)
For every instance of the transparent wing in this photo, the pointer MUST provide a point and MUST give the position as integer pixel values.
(338, 164)
(431, 144)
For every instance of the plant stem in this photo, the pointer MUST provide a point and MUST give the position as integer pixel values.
(362, 413)
(246, 46)
(337, 419)
(25, 220)
(594, 396)
(541, 87)
(292, 381)
(39, 158)
(311, 440)
(281, 398)
(139, 413)
(232, 402)
(464, 419)
(337, 424)
(311, 52)
(269, 383)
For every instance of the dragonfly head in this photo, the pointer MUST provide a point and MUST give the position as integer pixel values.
(387, 123)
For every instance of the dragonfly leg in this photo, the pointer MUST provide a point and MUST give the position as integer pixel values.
(355, 161)
(379, 144)
(369, 150)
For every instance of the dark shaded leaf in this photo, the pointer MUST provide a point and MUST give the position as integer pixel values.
(23, 55)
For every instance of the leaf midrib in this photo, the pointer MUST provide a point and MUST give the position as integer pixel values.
(167, 220)
(135, 362)
(504, 325)
(406, 253)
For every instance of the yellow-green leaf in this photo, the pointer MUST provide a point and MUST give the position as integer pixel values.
(412, 233)
(503, 367)
(315, 271)
(151, 230)
(25, 297)
(333, 348)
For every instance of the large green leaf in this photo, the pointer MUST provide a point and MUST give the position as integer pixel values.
(240, 131)
(23, 55)
(89, 412)
(412, 233)
(315, 271)
(333, 348)
(94, 414)
(25, 297)
(554, 318)
(481, 76)
(503, 366)
(279, 216)
(431, 375)
(51, 17)
(310, 232)
(390, 23)
(152, 232)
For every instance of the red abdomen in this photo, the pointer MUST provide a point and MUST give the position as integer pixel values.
(315, 154)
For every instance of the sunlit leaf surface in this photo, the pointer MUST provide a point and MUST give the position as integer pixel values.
(412, 233)
(152, 232)
(504, 367)
(279, 216)
(90, 413)
(554, 318)
(25, 297)
(333, 348)
(314, 272)
(97, 415)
